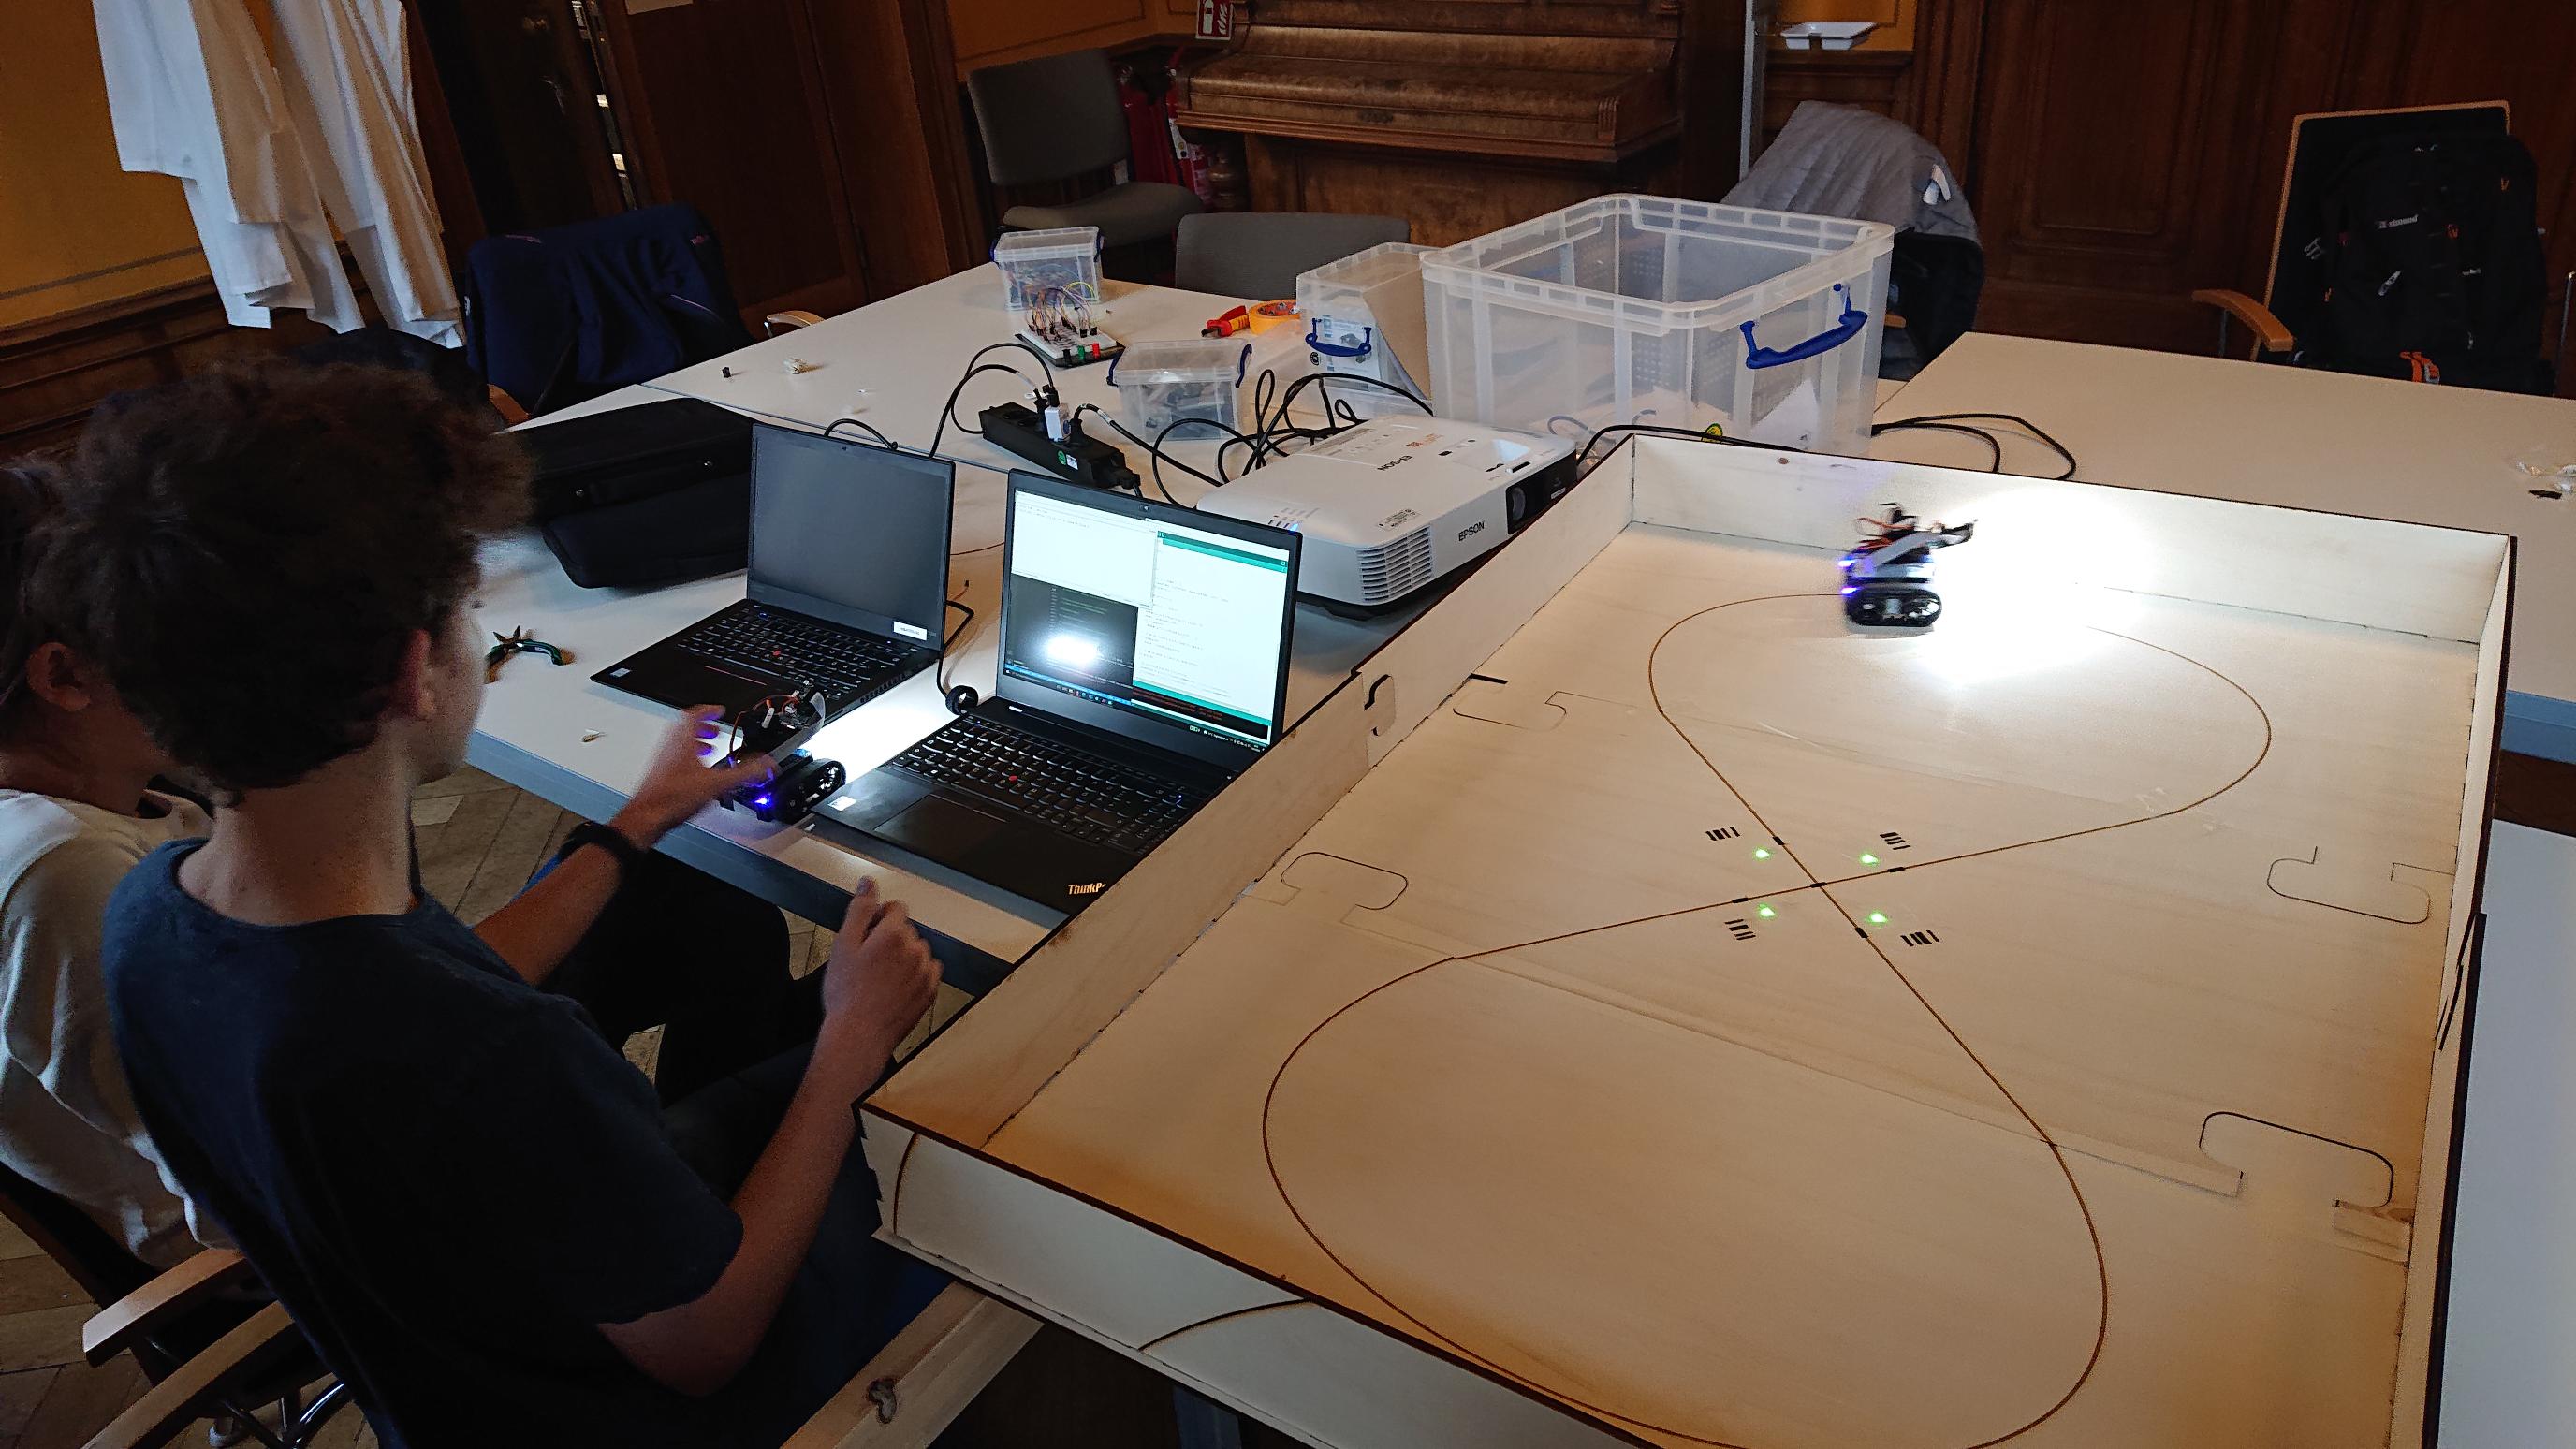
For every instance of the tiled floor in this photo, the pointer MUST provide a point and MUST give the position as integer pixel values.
(479, 840)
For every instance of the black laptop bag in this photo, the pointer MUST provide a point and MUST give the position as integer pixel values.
(647, 495)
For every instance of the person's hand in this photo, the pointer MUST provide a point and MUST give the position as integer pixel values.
(676, 786)
(878, 983)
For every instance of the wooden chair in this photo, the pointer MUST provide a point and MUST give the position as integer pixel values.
(206, 1354)
(2320, 144)
(913, 1389)
(918, 1383)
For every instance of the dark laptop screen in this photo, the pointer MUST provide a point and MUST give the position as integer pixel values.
(851, 533)
(1156, 623)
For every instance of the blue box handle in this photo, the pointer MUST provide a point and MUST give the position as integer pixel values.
(1845, 328)
(1368, 340)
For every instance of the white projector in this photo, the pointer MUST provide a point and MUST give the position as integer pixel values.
(1397, 502)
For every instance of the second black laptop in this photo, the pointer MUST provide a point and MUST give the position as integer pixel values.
(848, 582)
(1144, 665)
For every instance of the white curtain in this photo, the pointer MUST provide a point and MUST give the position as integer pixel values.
(272, 155)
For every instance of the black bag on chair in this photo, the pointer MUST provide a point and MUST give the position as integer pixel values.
(2429, 263)
(646, 495)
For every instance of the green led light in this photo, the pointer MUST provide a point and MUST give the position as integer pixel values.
(1877, 918)
(1761, 855)
(1869, 860)
(1765, 912)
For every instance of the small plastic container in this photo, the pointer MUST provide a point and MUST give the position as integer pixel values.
(1683, 314)
(1343, 333)
(1160, 383)
(1036, 262)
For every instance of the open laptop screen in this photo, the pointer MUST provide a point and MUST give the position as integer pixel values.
(851, 533)
(1164, 625)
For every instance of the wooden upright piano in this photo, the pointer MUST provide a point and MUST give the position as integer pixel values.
(1468, 115)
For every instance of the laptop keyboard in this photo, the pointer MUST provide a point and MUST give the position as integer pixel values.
(1087, 796)
(851, 668)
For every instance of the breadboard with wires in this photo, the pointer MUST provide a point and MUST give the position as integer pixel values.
(1061, 325)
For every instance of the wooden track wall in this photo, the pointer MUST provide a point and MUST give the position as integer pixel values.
(2420, 1334)
(2275, 559)
(1336, 1088)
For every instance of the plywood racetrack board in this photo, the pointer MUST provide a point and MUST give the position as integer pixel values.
(1737, 1029)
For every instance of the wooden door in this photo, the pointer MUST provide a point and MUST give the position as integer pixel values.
(2117, 162)
(723, 107)
(520, 91)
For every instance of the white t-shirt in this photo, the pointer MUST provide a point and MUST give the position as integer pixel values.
(67, 1118)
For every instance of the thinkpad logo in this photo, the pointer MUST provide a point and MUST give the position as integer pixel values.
(1092, 889)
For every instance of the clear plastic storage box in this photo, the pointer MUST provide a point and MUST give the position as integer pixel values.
(1036, 262)
(1337, 307)
(1160, 383)
(1643, 309)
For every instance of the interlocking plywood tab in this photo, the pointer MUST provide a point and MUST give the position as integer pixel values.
(1729, 1028)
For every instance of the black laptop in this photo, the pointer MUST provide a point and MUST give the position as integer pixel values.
(1144, 665)
(848, 586)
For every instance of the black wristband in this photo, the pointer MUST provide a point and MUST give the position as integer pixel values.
(607, 838)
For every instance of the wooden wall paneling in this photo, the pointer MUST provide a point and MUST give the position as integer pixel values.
(1448, 198)
(1874, 80)
(53, 372)
(997, 32)
(2113, 173)
(518, 82)
(1939, 91)
(899, 140)
(460, 215)
(724, 109)
(1711, 82)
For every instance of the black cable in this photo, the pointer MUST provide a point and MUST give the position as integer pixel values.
(1993, 444)
(1272, 430)
(1023, 344)
(948, 410)
(2025, 424)
(873, 431)
(1321, 378)
(939, 676)
(1657, 430)
(1154, 450)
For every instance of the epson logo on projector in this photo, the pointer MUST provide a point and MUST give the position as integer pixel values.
(1471, 530)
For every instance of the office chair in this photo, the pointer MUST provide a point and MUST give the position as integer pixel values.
(2462, 304)
(563, 314)
(1260, 254)
(1055, 118)
(206, 1354)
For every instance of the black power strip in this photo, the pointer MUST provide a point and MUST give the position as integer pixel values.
(1082, 459)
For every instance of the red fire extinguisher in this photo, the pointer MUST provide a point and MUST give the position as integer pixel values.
(1149, 132)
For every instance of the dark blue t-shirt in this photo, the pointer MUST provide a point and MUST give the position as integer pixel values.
(447, 1175)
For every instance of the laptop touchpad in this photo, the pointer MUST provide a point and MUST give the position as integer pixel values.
(941, 829)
